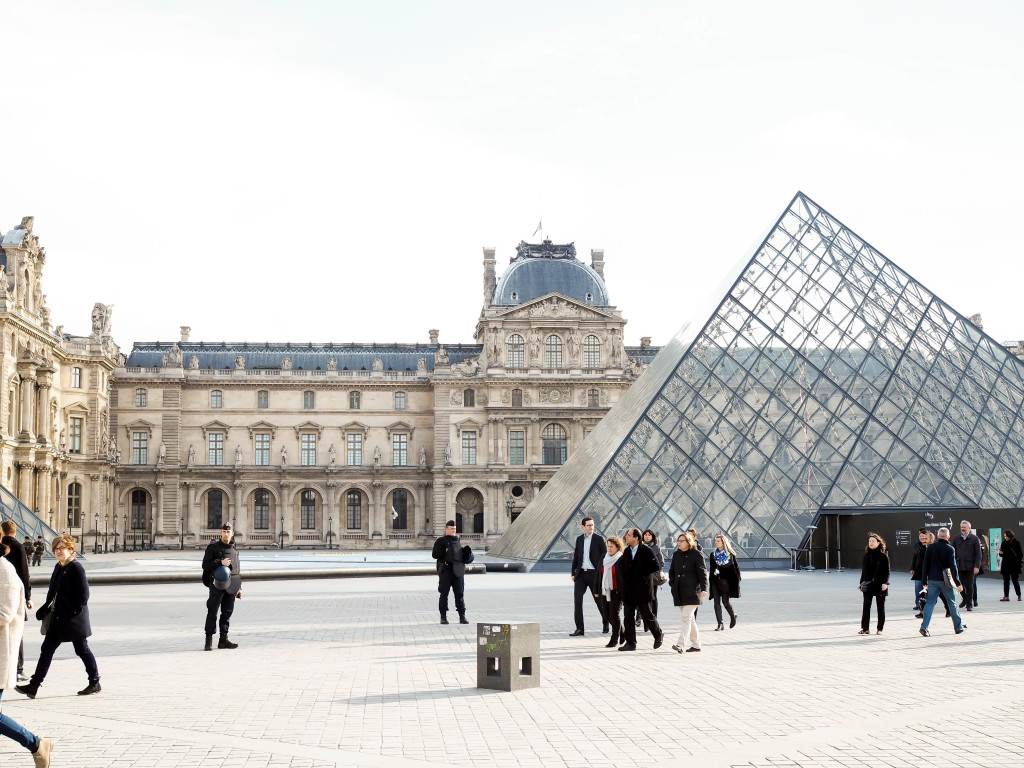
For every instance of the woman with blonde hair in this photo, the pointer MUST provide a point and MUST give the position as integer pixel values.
(69, 597)
(611, 596)
(688, 580)
(724, 575)
(12, 625)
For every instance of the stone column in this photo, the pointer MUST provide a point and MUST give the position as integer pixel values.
(42, 482)
(158, 513)
(26, 486)
(330, 510)
(45, 379)
(240, 514)
(186, 506)
(27, 372)
(376, 521)
(94, 500)
(286, 510)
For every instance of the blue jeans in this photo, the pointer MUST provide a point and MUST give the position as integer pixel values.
(934, 588)
(917, 593)
(15, 732)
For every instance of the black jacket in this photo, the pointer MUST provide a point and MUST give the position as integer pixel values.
(598, 550)
(216, 551)
(729, 572)
(449, 554)
(687, 577)
(968, 552)
(1011, 553)
(17, 557)
(637, 585)
(917, 561)
(71, 619)
(875, 569)
(938, 556)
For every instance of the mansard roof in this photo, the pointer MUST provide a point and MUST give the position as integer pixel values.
(540, 269)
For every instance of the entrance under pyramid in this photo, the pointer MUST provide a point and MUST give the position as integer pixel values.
(826, 380)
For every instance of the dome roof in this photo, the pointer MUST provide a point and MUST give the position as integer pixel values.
(539, 270)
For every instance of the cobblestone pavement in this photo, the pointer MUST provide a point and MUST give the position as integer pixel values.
(357, 672)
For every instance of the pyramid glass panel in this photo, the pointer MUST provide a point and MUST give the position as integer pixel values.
(826, 379)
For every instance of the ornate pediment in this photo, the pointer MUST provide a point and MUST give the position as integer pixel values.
(545, 250)
(139, 425)
(467, 424)
(554, 306)
(400, 427)
(262, 426)
(214, 426)
(354, 428)
(309, 426)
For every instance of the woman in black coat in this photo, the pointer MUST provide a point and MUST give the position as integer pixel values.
(651, 540)
(688, 580)
(874, 582)
(69, 593)
(1010, 567)
(724, 575)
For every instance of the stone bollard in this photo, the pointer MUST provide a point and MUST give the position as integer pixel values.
(508, 656)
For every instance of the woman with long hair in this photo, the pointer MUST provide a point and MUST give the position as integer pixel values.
(1010, 567)
(12, 626)
(69, 596)
(724, 576)
(688, 580)
(651, 540)
(874, 582)
(611, 597)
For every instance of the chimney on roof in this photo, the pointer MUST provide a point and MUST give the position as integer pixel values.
(489, 278)
(185, 331)
(434, 333)
(597, 261)
(645, 341)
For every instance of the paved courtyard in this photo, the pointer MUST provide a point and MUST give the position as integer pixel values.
(357, 672)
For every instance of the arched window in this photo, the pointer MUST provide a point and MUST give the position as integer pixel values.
(399, 509)
(263, 399)
(353, 401)
(308, 400)
(516, 351)
(307, 510)
(478, 522)
(140, 398)
(458, 515)
(591, 352)
(354, 510)
(469, 398)
(593, 398)
(75, 505)
(554, 444)
(261, 510)
(517, 398)
(216, 399)
(214, 509)
(140, 503)
(553, 352)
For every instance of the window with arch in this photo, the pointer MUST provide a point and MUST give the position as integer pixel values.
(262, 399)
(140, 398)
(516, 351)
(517, 398)
(553, 352)
(468, 398)
(75, 505)
(354, 510)
(554, 444)
(478, 522)
(76, 377)
(308, 400)
(353, 401)
(216, 399)
(214, 509)
(591, 352)
(261, 510)
(399, 401)
(139, 503)
(307, 510)
(399, 509)
(593, 398)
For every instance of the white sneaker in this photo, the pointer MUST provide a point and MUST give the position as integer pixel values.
(22, 679)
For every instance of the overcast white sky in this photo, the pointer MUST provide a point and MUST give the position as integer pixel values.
(329, 171)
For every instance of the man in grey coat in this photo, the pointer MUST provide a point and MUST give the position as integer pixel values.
(968, 561)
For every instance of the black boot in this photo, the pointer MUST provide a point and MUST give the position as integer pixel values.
(30, 689)
(444, 617)
(732, 617)
(209, 643)
(614, 641)
(225, 643)
(463, 619)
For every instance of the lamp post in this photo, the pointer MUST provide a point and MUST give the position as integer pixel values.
(106, 531)
(181, 530)
(96, 534)
(510, 505)
(115, 533)
(330, 531)
(124, 539)
(282, 531)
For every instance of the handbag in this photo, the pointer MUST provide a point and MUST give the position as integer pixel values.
(947, 578)
(865, 586)
(660, 577)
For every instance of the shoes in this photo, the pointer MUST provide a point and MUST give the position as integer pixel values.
(577, 633)
(863, 632)
(947, 614)
(91, 688)
(693, 650)
(444, 618)
(960, 631)
(925, 633)
(963, 604)
(612, 643)
(628, 647)
(463, 619)
(878, 631)
(29, 689)
(225, 643)
(732, 621)
(720, 627)
(658, 642)
(209, 643)
(606, 629)
(968, 608)
(1004, 599)
(22, 678)
(42, 753)
(918, 615)
(677, 648)
(1018, 598)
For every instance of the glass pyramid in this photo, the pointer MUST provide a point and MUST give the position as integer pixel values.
(826, 380)
(28, 524)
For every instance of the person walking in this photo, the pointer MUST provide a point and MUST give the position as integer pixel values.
(688, 581)
(611, 589)
(18, 558)
(67, 600)
(651, 540)
(585, 572)
(724, 579)
(12, 627)
(1010, 566)
(451, 572)
(941, 577)
(916, 563)
(637, 566)
(874, 582)
(968, 560)
(223, 593)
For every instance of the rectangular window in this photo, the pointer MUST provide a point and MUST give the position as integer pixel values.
(263, 399)
(517, 447)
(75, 505)
(399, 401)
(75, 434)
(308, 452)
(400, 450)
(308, 400)
(216, 399)
(355, 450)
(354, 508)
(262, 450)
(353, 400)
(140, 448)
(140, 398)
(469, 447)
(76, 377)
(216, 452)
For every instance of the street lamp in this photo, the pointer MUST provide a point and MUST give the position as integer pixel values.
(96, 534)
(106, 530)
(510, 505)
(124, 539)
(282, 531)
(115, 533)
(181, 529)
(330, 531)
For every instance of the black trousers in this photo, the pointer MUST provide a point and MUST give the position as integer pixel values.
(586, 581)
(1007, 577)
(967, 579)
(448, 581)
(610, 611)
(225, 601)
(719, 599)
(50, 646)
(865, 616)
(629, 621)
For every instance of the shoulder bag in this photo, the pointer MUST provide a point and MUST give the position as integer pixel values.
(47, 619)
(947, 578)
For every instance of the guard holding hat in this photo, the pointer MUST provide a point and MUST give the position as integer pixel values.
(222, 574)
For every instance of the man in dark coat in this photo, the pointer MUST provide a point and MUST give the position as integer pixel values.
(586, 572)
(968, 560)
(916, 564)
(17, 556)
(221, 552)
(938, 557)
(38, 551)
(451, 572)
(637, 564)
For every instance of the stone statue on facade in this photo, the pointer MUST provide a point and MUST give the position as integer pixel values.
(332, 364)
(173, 357)
(376, 456)
(5, 286)
(572, 343)
(284, 455)
(59, 331)
(191, 455)
(421, 366)
(161, 455)
(238, 455)
(423, 457)
(448, 455)
(332, 455)
(441, 356)
(101, 319)
(467, 367)
(240, 362)
(193, 363)
(496, 349)
(286, 364)
(117, 454)
(378, 364)
(534, 346)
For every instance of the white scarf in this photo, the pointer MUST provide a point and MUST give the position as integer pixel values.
(606, 578)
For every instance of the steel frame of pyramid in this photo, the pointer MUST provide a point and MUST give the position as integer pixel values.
(11, 508)
(826, 380)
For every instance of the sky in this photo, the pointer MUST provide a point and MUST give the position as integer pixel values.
(331, 171)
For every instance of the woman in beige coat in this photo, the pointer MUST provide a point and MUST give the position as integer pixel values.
(12, 624)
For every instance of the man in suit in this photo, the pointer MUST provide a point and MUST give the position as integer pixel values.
(938, 557)
(637, 565)
(968, 560)
(586, 573)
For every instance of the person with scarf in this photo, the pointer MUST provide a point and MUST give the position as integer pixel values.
(724, 575)
(874, 582)
(611, 596)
